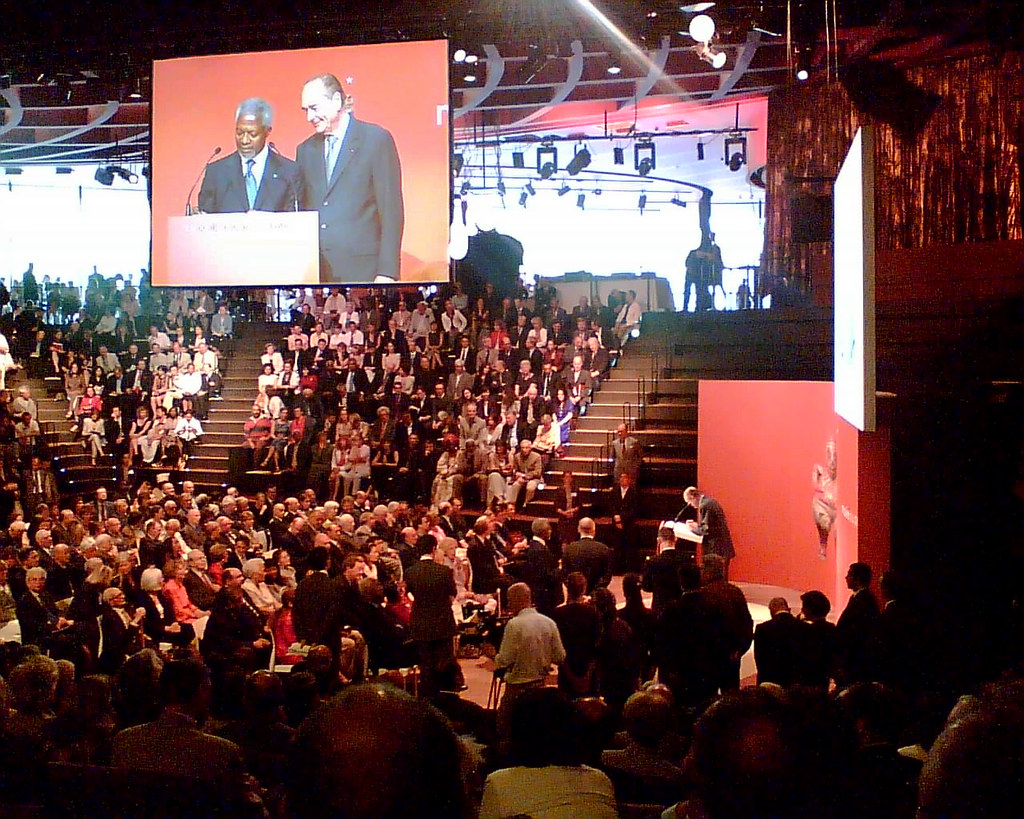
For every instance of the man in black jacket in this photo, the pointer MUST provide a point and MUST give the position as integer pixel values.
(432, 623)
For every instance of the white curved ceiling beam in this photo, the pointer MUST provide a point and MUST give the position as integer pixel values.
(495, 72)
(655, 71)
(741, 66)
(564, 90)
(106, 112)
(14, 106)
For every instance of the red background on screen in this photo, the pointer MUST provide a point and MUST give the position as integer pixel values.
(398, 86)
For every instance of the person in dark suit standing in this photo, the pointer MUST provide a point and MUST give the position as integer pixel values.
(855, 629)
(776, 645)
(661, 572)
(538, 568)
(314, 600)
(710, 523)
(623, 503)
(588, 556)
(255, 176)
(432, 623)
(351, 175)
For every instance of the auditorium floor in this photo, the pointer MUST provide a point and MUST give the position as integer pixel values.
(478, 673)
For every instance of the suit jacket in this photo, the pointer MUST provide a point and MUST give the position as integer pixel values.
(456, 384)
(223, 189)
(198, 592)
(776, 648)
(661, 576)
(591, 558)
(855, 632)
(540, 572)
(717, 539)
(483, 560)
(37, 619)
(624, 505)
(119, 640)
(361, 212)
(432, 587)
(314, 602)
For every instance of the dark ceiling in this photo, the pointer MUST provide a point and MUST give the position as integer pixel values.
(74, 75)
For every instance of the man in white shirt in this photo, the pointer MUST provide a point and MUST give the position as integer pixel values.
(190, 384)
(334, 306)
(352, 335)
(629, 317)
(452, 320)
(189, 430)
(419, 324)
(273, 358)
(205, 357)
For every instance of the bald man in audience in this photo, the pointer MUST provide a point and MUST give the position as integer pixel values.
(588, 556)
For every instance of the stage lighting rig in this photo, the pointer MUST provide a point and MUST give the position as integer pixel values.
(644, 157)
(735, 152)
(547, 160)
(580, 160)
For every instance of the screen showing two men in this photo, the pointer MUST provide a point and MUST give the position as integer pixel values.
(318, 166)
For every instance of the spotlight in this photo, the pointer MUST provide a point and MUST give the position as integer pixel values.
(580, 199)
(466, 187)
(529, 189)
(712, 56)
(472, 59)
(735, 152)
(644, 160)
(802, 56)
(579, 161)
(547, 161)
(614, 69)
(63, 170)
(562, 191)
(470, 77)
(104, 176)
(679, 202)
(522, 199)
(459, 56)
(696, 8)
(619, 156)
(642, 202)
(702, 28)
(700, 150)
(458, 160)
(598, 191)
(501, 187)
(518, 159)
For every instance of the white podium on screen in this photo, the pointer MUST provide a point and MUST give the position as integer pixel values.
(253, 249)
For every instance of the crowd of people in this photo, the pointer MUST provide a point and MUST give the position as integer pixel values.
(242, 644)
(429, 400)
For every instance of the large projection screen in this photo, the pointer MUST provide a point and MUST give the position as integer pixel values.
(397, 92)
(854, 276)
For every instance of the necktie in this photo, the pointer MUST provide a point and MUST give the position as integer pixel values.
(39, 482)
(332, 154)
(250, 182)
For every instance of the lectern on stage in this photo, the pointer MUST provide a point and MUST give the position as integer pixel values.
(253, 249)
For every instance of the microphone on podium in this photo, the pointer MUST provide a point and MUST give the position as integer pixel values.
(188, 202)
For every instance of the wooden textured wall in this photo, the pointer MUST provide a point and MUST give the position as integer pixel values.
(958, 180)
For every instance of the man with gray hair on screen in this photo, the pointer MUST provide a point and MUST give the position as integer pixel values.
(255, 176)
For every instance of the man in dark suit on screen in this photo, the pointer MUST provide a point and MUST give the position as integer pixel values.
(352, 176)
(254, 177)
